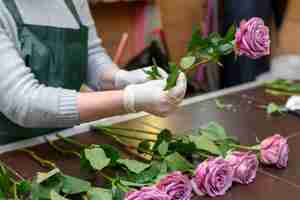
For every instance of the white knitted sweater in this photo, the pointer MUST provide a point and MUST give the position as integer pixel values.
(22, 98)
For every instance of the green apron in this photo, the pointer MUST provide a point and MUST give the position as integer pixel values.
(56, 56)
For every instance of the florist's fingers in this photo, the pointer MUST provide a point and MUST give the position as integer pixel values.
(178, 92)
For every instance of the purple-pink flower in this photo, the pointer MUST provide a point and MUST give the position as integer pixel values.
(253, 38)
(244, 166)
(177, 186)
(274, 150)
(148, 193)
(212, 177)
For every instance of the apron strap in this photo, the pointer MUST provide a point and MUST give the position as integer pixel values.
(14, 11)
(73, 10)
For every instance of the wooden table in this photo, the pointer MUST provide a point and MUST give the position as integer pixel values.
(244, 120)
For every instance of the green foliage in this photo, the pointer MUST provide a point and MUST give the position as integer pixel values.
(273, 108)
(284, 86)
(72, 185)
(153, 72)
(173, 76)
(99, 194)
(163, 148)
(133, 165)
(204, 143)
(97, 158)
(144, 146)
(176, 162)
(187, 62)
(221, 106)
(214, 132)
(55, 196)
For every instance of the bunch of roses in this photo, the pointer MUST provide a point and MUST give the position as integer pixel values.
(214, 176)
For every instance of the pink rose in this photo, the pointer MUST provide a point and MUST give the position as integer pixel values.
(212, 177)
(252, 38)
(147, 193)
(177, 186)
(274, 150)
(244, 166)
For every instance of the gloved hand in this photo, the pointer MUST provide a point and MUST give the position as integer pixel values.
(152, 98)
(124, 78)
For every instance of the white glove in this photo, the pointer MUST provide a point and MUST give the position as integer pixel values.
(293, 103)
(152, 98)
(124, 78)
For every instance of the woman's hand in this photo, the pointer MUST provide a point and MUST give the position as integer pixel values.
(124, 78)
(152, 98)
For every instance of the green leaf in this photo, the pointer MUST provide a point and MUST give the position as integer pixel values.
(42, 176)
(225, 49)
(215, 38)
(5, 183)
(164, 135)
(72, 185)
(97, 158)
(133, 184)
(2, 196)
(230, 35)
(173, 76)
(153, 73)
(110, 152)
(202, 142)
(43, 190)
(176, 162)
(183, 146)
(187, 62)
(220, 105)
(117, 194)
(273, 108)
(144, 146)
(55, 196)
(214, 131)
(99, 194)
(24, 187)
(133, 165)
(163, 148)
(196, 40)
(149, 175)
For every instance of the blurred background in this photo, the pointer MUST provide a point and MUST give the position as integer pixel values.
(135, 31)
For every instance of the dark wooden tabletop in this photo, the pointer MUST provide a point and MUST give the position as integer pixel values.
(244, 120)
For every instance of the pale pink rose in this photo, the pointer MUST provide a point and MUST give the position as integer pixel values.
(147, 193)
(274, 150)
(212, 177)
(177, 186)
(245, 166)
(253, 38)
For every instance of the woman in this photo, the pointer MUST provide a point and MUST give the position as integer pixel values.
(47, 50)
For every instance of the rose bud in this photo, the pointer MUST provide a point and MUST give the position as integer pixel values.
(252, 38)
(274, 151)
(212, 177)
(245, 166)
(147, 193)
(177, 186)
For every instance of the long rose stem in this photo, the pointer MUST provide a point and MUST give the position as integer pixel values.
(61, 150)
(71, 141)
(126, 136)
(41, 161)
(251, 148)
(125, 129)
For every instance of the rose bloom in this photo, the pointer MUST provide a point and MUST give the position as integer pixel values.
(274, 150)
(252, 38)
(244, 166)
(177, 186)
(147, 193)
(213, 177)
